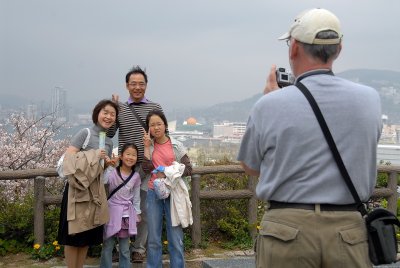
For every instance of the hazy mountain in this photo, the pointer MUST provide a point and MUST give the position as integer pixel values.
(374, 78)
(230, 111)
(386, 82)
(388, 85)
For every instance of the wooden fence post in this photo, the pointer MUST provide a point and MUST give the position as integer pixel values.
(40, 200)
(252, 206)
(392, 199)
(38, 212)
(196, 228)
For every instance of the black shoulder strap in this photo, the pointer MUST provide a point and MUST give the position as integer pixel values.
(123, 182)
(332, 146)
(136, 115)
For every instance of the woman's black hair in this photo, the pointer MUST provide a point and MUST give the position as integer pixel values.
(124, 148)
(161, 115)
(100, 105)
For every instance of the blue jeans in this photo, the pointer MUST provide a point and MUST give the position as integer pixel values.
(124, 253)
(156, 209)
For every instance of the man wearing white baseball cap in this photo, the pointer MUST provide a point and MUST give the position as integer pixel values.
(309, 23)
(311, 219)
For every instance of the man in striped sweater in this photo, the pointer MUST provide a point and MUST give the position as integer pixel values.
(130, 123)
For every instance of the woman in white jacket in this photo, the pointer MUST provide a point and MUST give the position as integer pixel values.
(162, 151)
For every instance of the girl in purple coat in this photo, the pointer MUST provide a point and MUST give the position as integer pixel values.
(124, 207)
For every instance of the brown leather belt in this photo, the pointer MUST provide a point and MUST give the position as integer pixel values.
(323, 207)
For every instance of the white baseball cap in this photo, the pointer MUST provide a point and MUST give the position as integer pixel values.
(309, 23)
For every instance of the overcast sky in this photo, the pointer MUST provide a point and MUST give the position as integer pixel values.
(196, 53)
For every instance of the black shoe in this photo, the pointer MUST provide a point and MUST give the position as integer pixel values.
(138, 257)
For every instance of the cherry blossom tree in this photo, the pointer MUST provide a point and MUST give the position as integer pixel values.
(28, 144)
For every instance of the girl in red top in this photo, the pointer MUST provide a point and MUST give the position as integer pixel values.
(162, 150)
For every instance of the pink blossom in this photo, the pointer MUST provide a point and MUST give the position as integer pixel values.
(29, 144)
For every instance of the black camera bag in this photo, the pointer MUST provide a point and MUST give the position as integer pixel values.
(380, 223)
(382, 241)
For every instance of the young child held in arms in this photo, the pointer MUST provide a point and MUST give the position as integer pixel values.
(124, 207)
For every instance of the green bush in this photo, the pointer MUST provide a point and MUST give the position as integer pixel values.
(10, 246)
(384, 203)
(16, 226)
(16, 218)
(225, 221)
(187, 240)
(51, 222)
(382, 179)
(398, 207)
(236, 229)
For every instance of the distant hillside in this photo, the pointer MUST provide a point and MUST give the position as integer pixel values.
(388, 85)
(231, 111)
(374, 78)
(386, 82)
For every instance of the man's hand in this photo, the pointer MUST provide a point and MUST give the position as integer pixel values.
(271, 84)
(249, 171)
(115, 98)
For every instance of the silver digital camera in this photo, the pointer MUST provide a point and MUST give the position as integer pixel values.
(284, 78)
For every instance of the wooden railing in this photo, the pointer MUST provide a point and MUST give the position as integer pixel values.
(41, 200)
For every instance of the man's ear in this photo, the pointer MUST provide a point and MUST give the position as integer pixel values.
(294, 49)
(339, 50)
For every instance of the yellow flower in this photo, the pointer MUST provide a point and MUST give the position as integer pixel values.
(55, 243)
(258, 227)
(165, 242)
(57, 247)
(36, 246)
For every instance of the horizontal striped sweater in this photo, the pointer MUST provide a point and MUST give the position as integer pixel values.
(130, 130)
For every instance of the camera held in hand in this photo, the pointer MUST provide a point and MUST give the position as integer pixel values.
(284, 78)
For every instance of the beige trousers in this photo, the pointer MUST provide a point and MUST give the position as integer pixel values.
(300, 238)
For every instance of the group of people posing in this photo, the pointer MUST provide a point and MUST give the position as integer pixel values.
(109, 199)
(311, 218)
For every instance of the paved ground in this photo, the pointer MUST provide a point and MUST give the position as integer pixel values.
(197, 259)
(235, 262)
(194, 259)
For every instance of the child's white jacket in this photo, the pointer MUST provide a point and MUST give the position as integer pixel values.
(181, 206)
